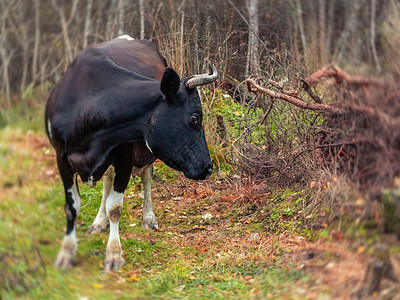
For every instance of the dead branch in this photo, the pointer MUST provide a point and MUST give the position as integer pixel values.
(253, 86)
(340, 76)
(307, 88)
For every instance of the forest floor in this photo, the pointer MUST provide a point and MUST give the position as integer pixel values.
(232, 253)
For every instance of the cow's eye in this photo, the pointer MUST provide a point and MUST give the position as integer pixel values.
(194, 119)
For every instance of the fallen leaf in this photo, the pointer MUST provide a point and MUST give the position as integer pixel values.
(133, 278)
(361, 249)
(97, 286)
(180, 288)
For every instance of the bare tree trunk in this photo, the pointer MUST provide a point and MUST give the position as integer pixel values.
(196, 35)
(110, 20)
(5, 57)
(207, 47)
(253, 65)
(180, 9)
(372, 35)
(300, 23)
(141, 9)
(17, 16)
(121, 17)
(322, 31)
(37, 41)
(330, 25)
(351, 24)
(64, 25)
(155, 19)
(87, 23)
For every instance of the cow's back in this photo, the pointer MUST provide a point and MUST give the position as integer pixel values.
(139, 56)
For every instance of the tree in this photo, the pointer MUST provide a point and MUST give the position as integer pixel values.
(253, 64)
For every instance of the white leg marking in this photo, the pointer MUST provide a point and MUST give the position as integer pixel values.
(149, 219)
(66, 256)
(101, 221)
(75, 196)
(126, 37)
(114, 258)
(69, 246)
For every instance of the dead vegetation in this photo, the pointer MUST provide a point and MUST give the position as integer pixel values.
(357, 134)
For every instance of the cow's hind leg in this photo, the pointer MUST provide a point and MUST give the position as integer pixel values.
(114, 202)
(149, 219)
(101, 221)
(66, 256)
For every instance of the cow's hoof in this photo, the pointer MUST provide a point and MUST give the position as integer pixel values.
(150, 224)
(65, 260)
(113, 262)
(97, 228)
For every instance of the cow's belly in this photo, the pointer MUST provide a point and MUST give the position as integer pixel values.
(91, 165)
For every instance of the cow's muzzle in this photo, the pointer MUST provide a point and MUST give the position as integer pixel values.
(207, 171)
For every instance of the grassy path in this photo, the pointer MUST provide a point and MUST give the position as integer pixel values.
(230, 256)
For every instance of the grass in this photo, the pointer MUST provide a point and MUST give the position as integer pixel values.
(185, 259)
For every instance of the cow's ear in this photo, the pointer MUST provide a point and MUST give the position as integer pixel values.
(170, 82)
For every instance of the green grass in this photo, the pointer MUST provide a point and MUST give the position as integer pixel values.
(159, 264)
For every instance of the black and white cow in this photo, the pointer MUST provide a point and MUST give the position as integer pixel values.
(117, 108)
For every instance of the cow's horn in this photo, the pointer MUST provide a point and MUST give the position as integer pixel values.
(203, 79)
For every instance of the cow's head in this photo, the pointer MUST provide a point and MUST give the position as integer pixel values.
(176, 134)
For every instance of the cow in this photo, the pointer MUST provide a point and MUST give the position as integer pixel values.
(118, 108)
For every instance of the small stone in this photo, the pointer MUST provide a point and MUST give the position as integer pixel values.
(207, 217)
(255, 236)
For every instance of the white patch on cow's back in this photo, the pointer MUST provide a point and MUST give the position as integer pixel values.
(49, 130)
(126, 37)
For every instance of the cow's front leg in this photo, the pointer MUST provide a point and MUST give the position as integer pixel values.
(114, 258)
(149, 219)
(66, 256)
(101, 221)
(122, 166)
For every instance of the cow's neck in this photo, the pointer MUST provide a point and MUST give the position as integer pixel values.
(135, 126)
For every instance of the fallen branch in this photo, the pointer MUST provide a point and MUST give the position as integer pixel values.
(340, 76)
(253, 86)
(307, 88)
